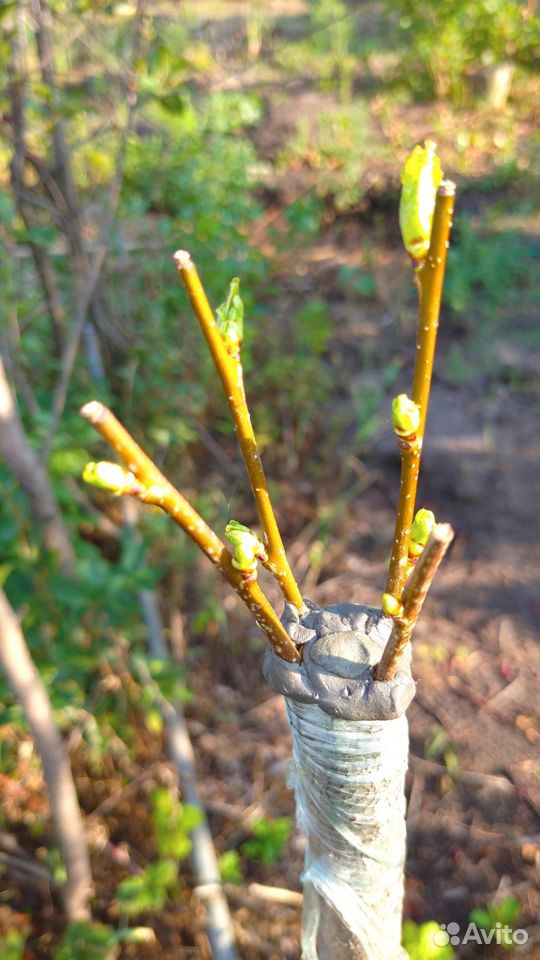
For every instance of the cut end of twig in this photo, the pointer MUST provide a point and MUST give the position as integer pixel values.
(442, 533)
(182, 260)
(447, 189)
(94, 412)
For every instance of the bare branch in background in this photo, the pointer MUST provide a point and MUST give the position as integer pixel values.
(44, 270)
(414, 594)
(208, 886)
(93, 272)
(24, 463)
(27, 687)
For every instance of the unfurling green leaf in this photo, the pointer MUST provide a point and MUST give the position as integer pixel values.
(420, 179)
(247, 548)
(230, 320)
(112, 477)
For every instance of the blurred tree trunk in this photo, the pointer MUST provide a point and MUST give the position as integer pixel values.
(27, 687)
(25, 465)
(63, 175)
(17, 95)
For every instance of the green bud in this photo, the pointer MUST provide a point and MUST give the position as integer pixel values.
(391, 605)
(420, 178)
(422, 526)
(405, 415)
(112, 477)
(230, 320)
(247, 547)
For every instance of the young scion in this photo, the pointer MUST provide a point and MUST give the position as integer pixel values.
(425, 215)
(142, 478)
(413, 598)
(423, 524)
(224, 339)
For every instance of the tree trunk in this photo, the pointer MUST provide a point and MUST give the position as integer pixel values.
(26, 466)
(26, 685)
(350, 745)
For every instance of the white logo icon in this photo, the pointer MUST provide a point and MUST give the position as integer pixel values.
(450, 933)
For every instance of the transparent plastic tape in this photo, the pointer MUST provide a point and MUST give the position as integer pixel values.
(348, 778)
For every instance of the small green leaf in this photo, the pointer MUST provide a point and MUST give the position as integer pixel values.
(173, 823)
(190, 817)
(86, 941)
(174, 103)
(269, 838)
(230, 319)
(426, 941)
(247, 547)
(229, 867)
(481, 917)
(149, 890)
(508, 910)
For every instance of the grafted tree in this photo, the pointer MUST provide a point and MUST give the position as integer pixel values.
(345, 669)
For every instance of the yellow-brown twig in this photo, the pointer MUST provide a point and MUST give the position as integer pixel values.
(414, 595)
(160, 492)
(430, 277)
(230, 372)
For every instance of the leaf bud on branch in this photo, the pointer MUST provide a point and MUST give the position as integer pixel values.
(247, 549)
(423, 524)
(405, 416)
(391, 605)
(230, 320)
(112, 477)
(420, 178)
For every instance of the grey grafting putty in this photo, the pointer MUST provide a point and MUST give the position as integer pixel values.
(350, 748)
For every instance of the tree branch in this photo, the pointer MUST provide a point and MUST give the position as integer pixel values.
(16, 89)
(160, 493)
(93, 269)
(413, 598)
(230, 372)
(27, 687)
(203, 858)
(430, 277)
(27, 468)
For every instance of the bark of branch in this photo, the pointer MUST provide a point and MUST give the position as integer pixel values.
(414, 595)
(160, 492)
(27, 687)
(231, 375)
(24, 463)
(430, 278)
